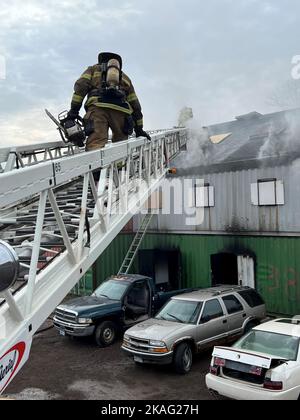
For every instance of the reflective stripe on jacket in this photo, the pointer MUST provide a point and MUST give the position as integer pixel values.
(91, 81)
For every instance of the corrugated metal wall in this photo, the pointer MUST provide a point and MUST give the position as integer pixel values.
(277, 262)
(233, 210)
(111, 260)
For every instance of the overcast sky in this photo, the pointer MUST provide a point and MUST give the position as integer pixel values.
(221, 57)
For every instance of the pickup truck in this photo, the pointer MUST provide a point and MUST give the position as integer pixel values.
(118, 304)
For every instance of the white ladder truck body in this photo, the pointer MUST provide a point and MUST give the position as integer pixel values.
(55, 222)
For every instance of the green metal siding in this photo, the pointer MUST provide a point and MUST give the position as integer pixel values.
(277, 262)
(111, 260)
(85, 286)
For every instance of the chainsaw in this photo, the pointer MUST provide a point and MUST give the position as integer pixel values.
(70, 130)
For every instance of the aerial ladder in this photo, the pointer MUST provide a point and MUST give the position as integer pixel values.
(55, 222)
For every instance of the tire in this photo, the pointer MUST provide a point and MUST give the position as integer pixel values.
(249, 327)
(183, 359)
(105, 334)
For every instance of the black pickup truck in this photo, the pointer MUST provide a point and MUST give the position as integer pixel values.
(118, 304)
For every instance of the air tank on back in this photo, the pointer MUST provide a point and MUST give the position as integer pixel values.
(113, 73)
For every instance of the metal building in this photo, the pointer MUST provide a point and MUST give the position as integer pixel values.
(244, 191)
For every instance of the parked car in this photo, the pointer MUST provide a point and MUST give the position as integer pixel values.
(193, 322)
(263, 365)
(119, 303)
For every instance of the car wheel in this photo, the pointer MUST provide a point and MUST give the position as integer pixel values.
(183, 359)
(105, 334)
(249, 327)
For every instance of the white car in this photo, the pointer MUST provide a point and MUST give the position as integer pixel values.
(263, 365)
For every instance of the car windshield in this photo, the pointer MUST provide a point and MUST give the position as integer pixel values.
(279, 345)
(111, 289)
(181, 311)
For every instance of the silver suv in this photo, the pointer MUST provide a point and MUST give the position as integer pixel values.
(193, 322)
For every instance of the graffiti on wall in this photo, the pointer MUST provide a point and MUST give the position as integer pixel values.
(280, 280)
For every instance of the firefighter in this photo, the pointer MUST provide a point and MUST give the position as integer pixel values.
(111, 103)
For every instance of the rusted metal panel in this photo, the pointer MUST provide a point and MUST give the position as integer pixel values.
(129, 227)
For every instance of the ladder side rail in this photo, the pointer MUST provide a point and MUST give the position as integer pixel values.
(27, 155)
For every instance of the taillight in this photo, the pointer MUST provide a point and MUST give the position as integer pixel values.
(214, 370)
(273, 385)
(219, 362)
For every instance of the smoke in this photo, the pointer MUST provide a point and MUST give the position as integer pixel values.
(295, 171)
(272, 145)
(283, 137)
(198, 148)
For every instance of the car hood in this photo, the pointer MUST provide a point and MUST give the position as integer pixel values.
(90, 304)
(156, 329)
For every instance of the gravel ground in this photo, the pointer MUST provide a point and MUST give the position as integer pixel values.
(60, 368)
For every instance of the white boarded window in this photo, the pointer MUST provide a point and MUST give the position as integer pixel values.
(205, 196)
(269, 192)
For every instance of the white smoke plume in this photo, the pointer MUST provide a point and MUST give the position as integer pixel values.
(198, 148)
(283, 138)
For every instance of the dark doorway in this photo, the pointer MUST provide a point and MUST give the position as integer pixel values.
(224, 269)
(164, 266)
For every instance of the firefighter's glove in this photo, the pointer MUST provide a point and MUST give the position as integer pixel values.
(73, 114)
(139, 132)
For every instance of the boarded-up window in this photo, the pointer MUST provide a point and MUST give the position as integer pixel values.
(205, 196)
(268, 192)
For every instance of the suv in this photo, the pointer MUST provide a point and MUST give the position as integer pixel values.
(193, 322)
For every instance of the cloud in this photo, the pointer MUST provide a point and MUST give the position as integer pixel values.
(222, 57)
(27, 127)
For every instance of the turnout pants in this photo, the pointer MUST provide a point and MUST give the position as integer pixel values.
(98, 122)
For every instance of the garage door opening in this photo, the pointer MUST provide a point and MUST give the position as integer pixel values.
(232, 269)
(164, 266)
(224, 269)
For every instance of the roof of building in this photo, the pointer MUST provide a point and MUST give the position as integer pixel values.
(250, 141)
